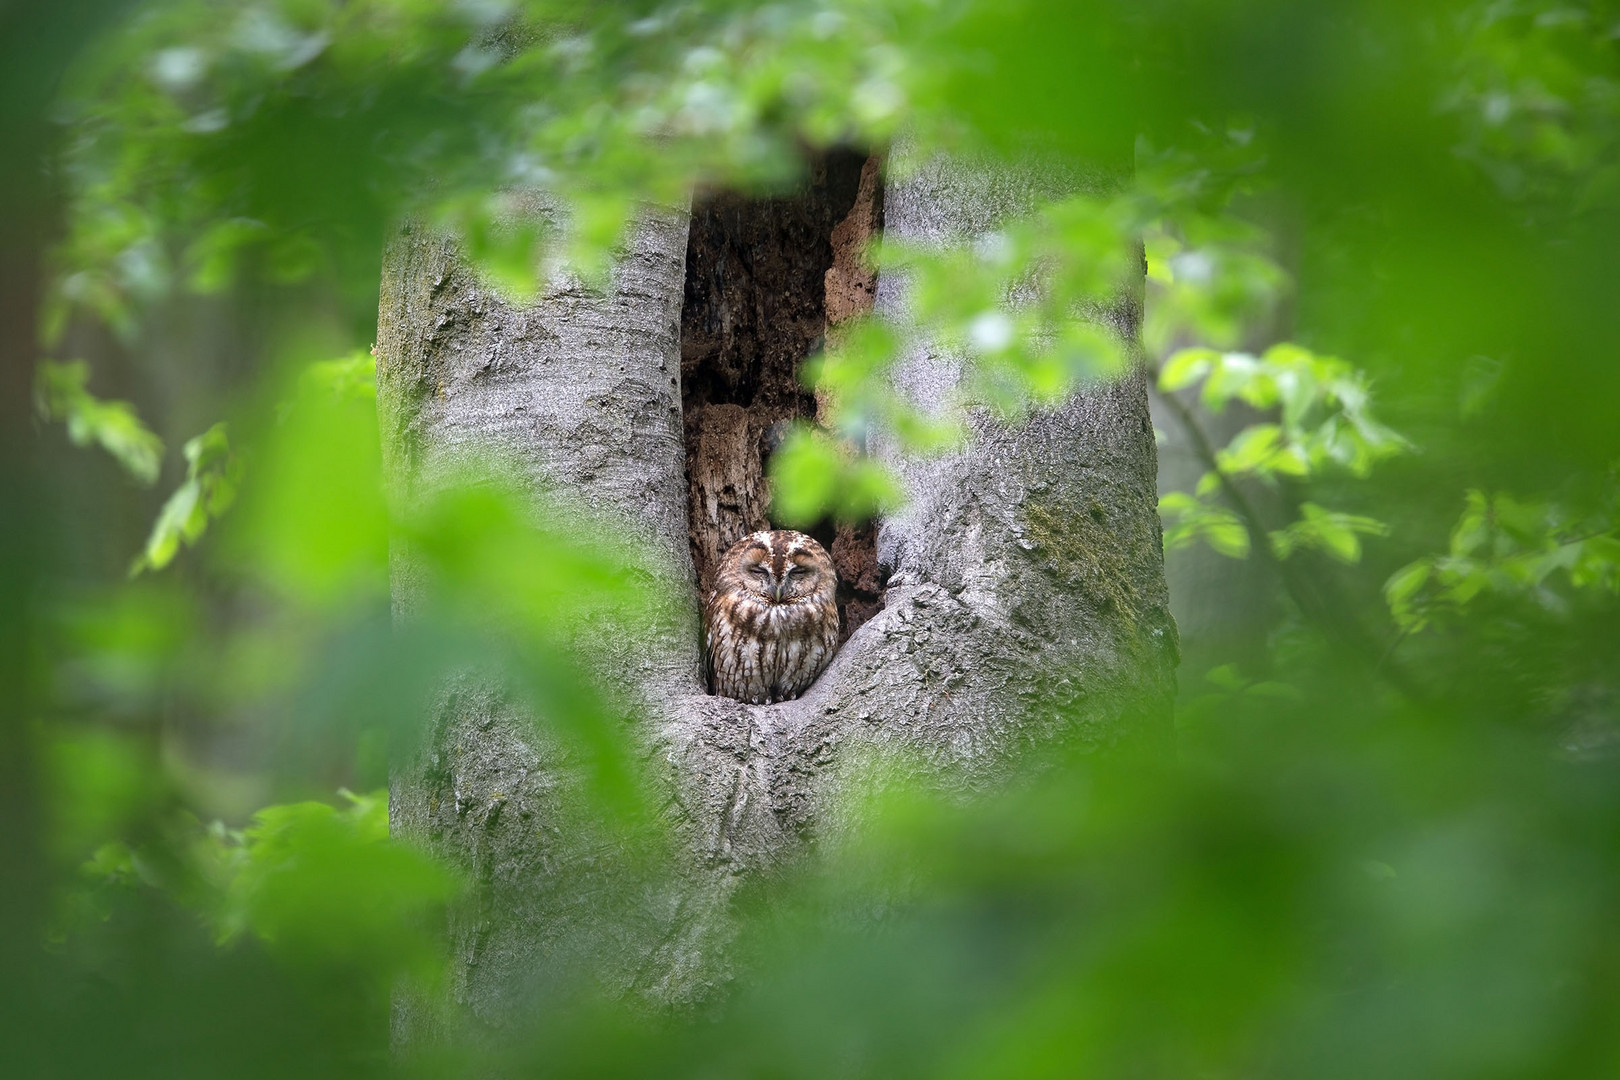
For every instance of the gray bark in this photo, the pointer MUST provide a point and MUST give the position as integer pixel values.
(1025, 601)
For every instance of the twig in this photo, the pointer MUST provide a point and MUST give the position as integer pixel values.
(1332, 613)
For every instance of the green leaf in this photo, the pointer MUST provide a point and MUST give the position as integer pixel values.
(1471, 529)
(1229, 537)
(1326, 530)
(1338, 540)
(61, 394)
(212, 474)
(812, 476)
(1228, 378)
(352, 376)
(805, 473)
(1404, 584)
(1189, 519)
(318, 883)
(173, 525)
(1159, 248)
(1186, 367)
(213, 256)
(1251, 450)
(1599, 563)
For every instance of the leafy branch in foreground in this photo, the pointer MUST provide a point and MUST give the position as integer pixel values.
(1513, 548)
(313, 882)
(1322, 422)
(214, 469)
(213, 472)
(1024, 310)
(61, 393)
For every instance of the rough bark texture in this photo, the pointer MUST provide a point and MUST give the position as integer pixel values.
(578, 396)
(851, 292)
(1025, 597)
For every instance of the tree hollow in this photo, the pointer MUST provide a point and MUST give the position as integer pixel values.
(768, 280)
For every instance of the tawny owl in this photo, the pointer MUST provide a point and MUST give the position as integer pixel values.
(771, 623)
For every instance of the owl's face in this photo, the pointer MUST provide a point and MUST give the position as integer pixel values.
(779, 567)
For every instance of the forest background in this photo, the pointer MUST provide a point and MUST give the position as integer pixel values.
(1378, 238)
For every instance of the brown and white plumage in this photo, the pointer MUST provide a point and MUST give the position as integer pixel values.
(771, 622)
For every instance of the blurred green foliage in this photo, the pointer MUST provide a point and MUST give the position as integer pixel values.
(1515, 549)
(1324, 423)
(212, 474)
(1386, 848)
(61, 394)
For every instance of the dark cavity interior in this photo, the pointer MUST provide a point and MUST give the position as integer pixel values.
(768, 280)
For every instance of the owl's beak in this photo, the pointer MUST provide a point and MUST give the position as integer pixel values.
(776, 590)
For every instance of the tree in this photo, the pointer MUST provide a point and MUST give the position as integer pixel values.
(1024, 600)
(1383, 845)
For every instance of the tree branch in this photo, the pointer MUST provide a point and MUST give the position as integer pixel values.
(1319, 602)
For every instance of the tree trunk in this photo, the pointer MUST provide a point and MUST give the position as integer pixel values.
(1022, 587)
